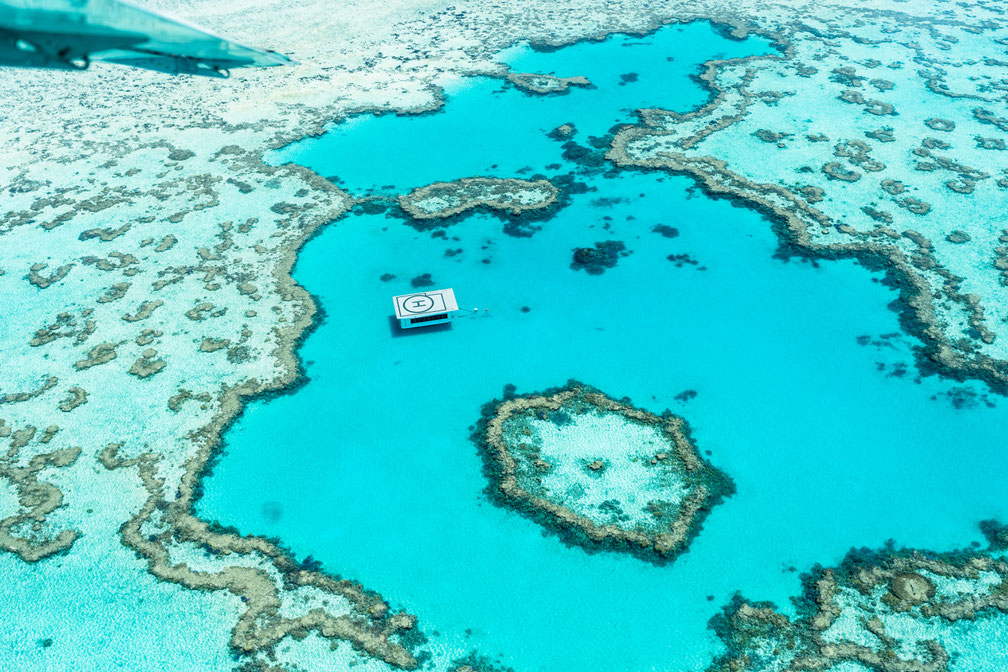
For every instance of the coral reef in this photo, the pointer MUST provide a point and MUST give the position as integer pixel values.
(176, 313)
(595, 260)
(351, 613)
(891, 611)
(138, 216)
(601, 473)
(447, 199)
(28, 532)
(838, 186)
(545, 84)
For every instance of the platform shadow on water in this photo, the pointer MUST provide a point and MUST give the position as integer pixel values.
(396, 331)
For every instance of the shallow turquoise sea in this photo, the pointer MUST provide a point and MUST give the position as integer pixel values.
(806, 394)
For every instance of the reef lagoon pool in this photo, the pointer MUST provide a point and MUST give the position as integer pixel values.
(794, 377)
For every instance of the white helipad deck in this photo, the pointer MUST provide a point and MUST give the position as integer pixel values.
(425, 308)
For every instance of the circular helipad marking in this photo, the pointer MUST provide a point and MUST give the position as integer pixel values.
(419, 303)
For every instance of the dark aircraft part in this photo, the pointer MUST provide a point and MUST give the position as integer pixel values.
(71, 34)
(58, 50)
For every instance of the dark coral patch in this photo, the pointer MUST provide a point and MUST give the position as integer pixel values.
(595, 260)
(424, 280)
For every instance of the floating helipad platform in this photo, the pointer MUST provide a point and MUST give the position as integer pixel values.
(425, 309)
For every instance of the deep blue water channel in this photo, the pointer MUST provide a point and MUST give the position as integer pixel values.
(369, 467)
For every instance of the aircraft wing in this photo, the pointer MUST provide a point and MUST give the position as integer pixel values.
(69, 34)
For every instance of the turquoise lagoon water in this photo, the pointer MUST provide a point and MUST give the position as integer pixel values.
(369, 467)
(493, 128)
